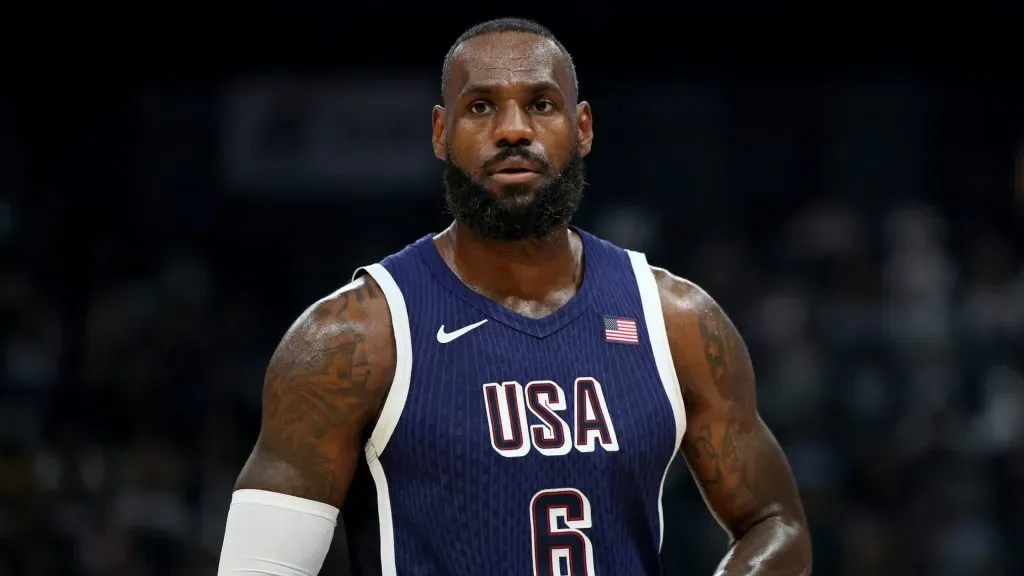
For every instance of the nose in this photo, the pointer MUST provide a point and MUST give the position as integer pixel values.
(513, 128)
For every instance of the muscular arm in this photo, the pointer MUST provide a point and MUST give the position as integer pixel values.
(739, 467)
(325, 384)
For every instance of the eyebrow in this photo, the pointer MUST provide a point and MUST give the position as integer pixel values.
(488, 89)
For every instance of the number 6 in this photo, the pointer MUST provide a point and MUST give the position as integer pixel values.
(561, 550)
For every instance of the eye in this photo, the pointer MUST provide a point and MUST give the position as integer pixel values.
(543, 105)
(479, 107)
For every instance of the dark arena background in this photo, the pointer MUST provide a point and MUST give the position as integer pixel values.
(179, 181)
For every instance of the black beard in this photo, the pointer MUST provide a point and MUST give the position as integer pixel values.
(507, 216)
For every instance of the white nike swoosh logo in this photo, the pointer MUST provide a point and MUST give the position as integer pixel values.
(446, 337)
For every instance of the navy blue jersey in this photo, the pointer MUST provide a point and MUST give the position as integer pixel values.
(516, 446)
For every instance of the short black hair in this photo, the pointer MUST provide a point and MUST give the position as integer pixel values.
(499, 25)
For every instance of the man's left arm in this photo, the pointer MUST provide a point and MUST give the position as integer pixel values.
(736, 461)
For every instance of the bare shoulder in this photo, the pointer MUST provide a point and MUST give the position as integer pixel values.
(707, 349)
(681, 299)
(341, 350)
(685, 306)
(325, 383)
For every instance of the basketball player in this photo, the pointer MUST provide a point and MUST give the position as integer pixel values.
(505, 397)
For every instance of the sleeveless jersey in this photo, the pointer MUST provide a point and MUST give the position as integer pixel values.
(517, 446)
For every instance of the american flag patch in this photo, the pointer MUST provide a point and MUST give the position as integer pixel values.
(620, 330)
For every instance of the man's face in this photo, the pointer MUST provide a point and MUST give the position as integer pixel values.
(512, 137)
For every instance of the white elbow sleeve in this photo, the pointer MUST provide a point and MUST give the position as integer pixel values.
(272, 534)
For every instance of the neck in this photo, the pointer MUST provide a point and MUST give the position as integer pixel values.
(527, 269)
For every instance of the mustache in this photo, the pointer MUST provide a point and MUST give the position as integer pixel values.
(516, 152)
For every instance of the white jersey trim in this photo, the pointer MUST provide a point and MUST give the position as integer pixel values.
(395, 401)
(394, 404)
(650, 297)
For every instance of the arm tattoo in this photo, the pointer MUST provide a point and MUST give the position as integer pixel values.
(736, 461)
(719, 456)
(322, 386)
(719, 463)
(724, 356)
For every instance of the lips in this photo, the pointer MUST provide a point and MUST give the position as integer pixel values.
(515, 172)
(515, 166)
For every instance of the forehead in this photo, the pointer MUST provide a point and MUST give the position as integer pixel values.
(507, 59)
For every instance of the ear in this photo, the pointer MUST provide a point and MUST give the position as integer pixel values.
(584, 127)
(439, 139)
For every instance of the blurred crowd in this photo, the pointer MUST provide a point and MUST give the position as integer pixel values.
(888, 351)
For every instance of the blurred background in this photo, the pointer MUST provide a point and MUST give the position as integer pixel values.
(173, 195)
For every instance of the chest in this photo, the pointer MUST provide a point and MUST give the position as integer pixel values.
(587, 396)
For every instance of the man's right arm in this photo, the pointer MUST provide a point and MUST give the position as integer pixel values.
(325, 384)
